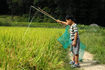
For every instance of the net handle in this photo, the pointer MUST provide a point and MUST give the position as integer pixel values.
(42, 11)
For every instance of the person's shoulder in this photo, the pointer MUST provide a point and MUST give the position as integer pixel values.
(75, 25)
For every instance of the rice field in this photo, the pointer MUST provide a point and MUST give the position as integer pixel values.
(40, 50)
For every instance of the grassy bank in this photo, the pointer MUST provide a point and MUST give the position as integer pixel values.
(94, 39)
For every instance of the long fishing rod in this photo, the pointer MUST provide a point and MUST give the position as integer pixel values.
(47, 14)
(43, 12)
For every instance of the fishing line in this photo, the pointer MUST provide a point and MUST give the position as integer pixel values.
(40, 10)
(29, 23)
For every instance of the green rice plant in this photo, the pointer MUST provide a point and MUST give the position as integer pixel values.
(38, 50)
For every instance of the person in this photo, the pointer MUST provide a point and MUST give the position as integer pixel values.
(74, 36)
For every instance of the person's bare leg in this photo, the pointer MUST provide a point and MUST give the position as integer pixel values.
(76, 59)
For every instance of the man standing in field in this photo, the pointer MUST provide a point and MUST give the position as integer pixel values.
(74, 36)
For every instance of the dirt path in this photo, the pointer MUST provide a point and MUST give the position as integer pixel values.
(89, 64)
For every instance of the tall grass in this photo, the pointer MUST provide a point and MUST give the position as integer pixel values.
(94, 39)
(38, 50)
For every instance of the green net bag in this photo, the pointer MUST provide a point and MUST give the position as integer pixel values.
(65, 38)
(66, 41)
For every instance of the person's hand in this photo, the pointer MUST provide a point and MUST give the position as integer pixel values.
(58, 21)
(74, 43)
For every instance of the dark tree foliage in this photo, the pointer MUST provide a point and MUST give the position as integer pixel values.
(3, 7)
(85, 11)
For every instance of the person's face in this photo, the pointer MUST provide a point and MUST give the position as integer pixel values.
(69, 21)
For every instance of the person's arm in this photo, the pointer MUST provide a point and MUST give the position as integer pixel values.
(62, 22)
(76, 34)
(75, 37)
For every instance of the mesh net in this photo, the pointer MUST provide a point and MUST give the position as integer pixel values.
(66, 41)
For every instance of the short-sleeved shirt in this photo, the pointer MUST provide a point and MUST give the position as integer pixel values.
(73, 30)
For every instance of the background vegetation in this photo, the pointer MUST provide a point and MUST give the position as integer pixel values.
(85, 11)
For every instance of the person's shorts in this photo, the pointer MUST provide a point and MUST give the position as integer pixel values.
(75, 49)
